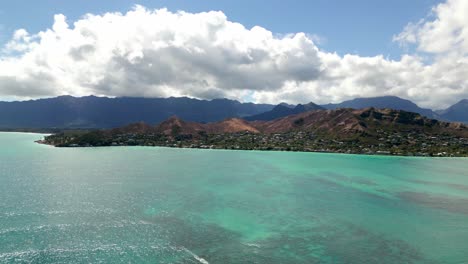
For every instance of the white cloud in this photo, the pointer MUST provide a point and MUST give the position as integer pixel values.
(159, 53)
(438, 84)
(446, 33)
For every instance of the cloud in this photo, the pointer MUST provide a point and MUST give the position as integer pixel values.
(157, 53)
(443, 40)
(446, 33)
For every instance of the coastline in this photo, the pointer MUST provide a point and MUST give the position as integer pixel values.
(28, 132)
(43, 142)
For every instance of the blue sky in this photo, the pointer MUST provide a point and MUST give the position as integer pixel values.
(363, 27)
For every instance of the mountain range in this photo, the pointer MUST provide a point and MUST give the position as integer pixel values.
(103, 112)
(455, 113)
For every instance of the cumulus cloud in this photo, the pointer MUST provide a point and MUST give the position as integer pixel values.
(443, 40)
(446, 33)
(157, 53)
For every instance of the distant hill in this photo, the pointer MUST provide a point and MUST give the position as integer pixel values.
(287, 105)
(369, 121)
(176, 126)
(392, 102)
(103, 112)
(457, 112)
(283, 110)
(340, 123)
(345, 130)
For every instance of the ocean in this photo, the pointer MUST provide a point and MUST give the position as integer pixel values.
(163, 205)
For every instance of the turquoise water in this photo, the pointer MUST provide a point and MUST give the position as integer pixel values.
(160, 205)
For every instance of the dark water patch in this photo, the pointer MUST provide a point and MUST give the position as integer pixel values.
(343, 178)
(365, 182)
(335, 176)
(193, 235)
(212, 243)
(453, 168)
(447, 203)
(342, 189)
(367, 247)
(340, 243)
(455, 186)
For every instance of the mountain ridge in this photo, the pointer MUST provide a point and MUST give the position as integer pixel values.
(393, 102)
(283, 110)
(105, 112)
(457, 112)
(68, 112)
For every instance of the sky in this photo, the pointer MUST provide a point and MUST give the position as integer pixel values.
(261, 51)
(342, 25)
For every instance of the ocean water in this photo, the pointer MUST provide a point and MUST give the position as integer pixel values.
(161, 205)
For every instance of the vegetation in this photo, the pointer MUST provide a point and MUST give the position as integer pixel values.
(390, 142)
(366, 131)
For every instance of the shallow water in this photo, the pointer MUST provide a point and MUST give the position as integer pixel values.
(160, 205)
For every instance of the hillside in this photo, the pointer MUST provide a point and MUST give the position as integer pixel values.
(345, 121)
(457, 112)
(369, 131)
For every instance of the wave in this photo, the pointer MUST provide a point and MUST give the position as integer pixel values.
(195, 256)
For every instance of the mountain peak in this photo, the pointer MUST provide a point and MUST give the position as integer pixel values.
(174, 120)
(389, 101)
(281, 106)
(281, 110)
(457, 112)
(308, 107)
(286, 104)
(231, 125)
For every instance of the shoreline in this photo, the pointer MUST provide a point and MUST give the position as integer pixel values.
(42, 142)
(27, 132)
